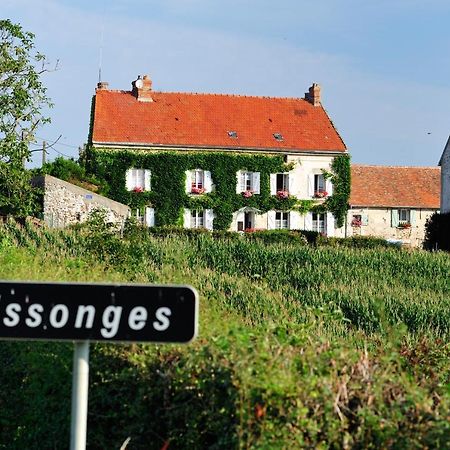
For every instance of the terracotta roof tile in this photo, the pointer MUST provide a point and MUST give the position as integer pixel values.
(204, 120)
(390, 186)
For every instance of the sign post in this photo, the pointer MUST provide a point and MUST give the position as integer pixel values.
(95, 312)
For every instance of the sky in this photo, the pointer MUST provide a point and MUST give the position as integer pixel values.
(383, 65)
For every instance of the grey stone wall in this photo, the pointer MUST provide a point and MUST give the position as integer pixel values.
(66, 204)
(445, 179)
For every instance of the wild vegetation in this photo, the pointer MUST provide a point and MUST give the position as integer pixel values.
(300, 345)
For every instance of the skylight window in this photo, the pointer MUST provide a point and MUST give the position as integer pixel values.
(232, 134)
(278, 136)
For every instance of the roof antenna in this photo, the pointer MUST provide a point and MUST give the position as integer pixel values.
(100, 56)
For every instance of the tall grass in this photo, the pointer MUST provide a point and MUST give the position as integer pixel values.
(299, 347)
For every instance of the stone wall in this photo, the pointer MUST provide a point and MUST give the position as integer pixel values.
(66, 204)
(445, 179)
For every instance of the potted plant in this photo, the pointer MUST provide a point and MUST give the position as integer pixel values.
(138, 189)
(197, 190)
(247, 194)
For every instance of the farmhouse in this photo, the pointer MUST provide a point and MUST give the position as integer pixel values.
(220, 161)
(392, 202)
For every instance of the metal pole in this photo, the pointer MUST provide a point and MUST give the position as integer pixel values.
(80, 387)
(44, 145)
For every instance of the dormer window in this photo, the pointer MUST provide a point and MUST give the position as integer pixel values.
(232, 134)
(278, 136)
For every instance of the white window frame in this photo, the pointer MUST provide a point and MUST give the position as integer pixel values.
(404, 216)
(197, 218)
(198, 179)
(319, 222)
(248, 182)
(284, 185)
(319, 183)
(138, 179)
(281, 220)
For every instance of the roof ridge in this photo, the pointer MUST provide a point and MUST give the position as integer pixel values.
(394, 167)
(214, 94)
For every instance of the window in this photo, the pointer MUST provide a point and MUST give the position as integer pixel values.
(404, 216)
(281, 220)
(319, 185)
(232, 134)
(356, 220)
(138, 180)
(198, 181)
(145, 217)
(318, 222)
(197, 219)
(248, 182)
(282, 182)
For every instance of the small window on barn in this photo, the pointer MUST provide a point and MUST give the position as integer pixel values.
(232, 134)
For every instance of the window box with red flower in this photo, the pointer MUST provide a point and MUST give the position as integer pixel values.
(247, 194)
(197, 190)
(320, 194)
(138, 189)
(282, 194)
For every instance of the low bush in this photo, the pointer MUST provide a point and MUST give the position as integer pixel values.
(437, 232)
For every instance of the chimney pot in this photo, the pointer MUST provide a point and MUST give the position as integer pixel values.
(313, 96)
(142, 88)
(102, 85)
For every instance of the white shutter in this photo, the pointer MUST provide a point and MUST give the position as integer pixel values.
(329, 224)
(188, 181)
(207, 181)
(273, 184)
(149, 217)
(364, 219)
(256, 182)
(311, 186)
(412, 216)
(147, 180)
(239, 182)
(187, 218)
(294, 220)
(271, 220)
(291, 182)
(329, 186)
(209, 218)
(394, 218)
(129, 180)
(308, 221)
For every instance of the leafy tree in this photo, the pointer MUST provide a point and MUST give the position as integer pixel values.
(22, 100)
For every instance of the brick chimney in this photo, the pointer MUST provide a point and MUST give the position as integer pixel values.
(313, 96)
(142, 89)
(102, 85)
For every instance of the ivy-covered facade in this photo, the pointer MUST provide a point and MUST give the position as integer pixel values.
(225, 186)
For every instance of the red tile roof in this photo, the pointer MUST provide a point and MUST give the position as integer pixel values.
(204, 120)
(390, 186)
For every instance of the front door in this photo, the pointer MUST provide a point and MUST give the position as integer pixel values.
(249, 220)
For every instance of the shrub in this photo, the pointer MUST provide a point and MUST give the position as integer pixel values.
(437, 232)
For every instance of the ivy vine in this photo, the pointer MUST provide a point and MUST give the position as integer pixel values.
(168, 195)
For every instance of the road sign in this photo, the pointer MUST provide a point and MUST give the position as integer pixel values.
(97, 312)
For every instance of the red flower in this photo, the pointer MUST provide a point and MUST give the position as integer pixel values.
(282, 194)
(247, 194)
(138, 189)
(320, 194)
(197, 190)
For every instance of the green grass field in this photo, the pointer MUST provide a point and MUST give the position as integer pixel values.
(298, 347)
